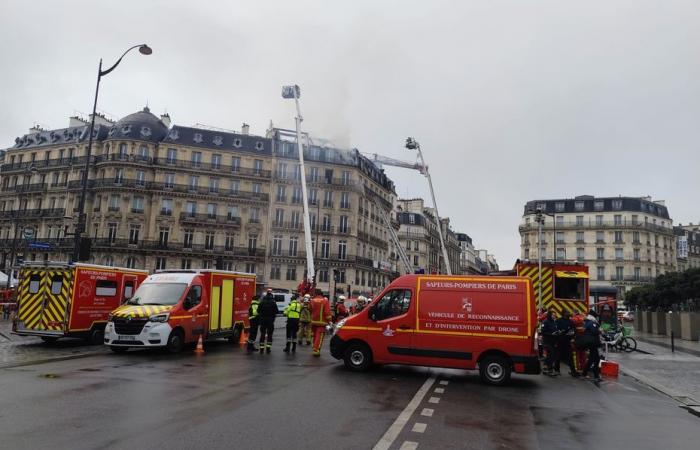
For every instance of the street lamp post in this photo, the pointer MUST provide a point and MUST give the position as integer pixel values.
(81, 225)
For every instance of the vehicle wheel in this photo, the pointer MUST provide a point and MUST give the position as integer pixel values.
(118, 349)
(236, 336)
(49, 339)
(176, 342)
(358, 357)
(495, 370)
(96, 336)
(631, 344)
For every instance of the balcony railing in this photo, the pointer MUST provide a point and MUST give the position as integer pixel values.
(27, 188)
(595, 225)
(180, 247)
(39, 164)
(33, 213)
(209, 167)
(169, 187)
(186, 217)
(287, 254)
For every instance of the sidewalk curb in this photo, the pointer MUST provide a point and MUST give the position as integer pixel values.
(688, 403)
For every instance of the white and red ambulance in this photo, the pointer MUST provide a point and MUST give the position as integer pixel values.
(173, 308)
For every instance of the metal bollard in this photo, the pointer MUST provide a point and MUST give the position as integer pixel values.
(673, 346)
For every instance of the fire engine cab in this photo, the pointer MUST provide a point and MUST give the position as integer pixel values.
(174, 308)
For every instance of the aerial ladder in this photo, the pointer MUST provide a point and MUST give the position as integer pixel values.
(421, 167)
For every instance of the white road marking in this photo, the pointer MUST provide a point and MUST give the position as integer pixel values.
(439, 390)
(409, 445)
(444, 382)
(434, 400)
(395, 429)
(427, 412)
(419, 427)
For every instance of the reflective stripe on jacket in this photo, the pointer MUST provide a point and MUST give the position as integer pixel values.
(292, 310)
(320, 311)
(253, 310)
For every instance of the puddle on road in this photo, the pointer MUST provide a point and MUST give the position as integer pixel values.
(90, 369)
(49, 375)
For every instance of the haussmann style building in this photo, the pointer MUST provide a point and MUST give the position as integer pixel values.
(163, 196)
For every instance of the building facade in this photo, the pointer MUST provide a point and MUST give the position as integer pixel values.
(164, 196)
(626, 241)
(687, 245)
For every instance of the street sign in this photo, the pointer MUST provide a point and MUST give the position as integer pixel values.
(28, 233)
(40, 245)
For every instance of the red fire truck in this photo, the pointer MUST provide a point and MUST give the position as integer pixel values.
(173, 308)
(462, 322)
(71, 300)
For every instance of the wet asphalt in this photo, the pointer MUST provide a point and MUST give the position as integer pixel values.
(227, 399)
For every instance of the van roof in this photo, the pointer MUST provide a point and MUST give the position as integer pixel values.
(171, 277)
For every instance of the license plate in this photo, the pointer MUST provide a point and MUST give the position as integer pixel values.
(126, 338)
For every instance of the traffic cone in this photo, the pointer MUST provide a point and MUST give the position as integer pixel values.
(200, 345)
(244, 337)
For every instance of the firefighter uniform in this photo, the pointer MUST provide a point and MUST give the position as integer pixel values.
(292, 312)
(341, 311)
(254, 324)
(268, 312)
(321, 315)
(305, 322)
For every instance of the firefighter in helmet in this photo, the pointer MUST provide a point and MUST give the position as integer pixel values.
(321, 315)
(254, 319)
(305, 321)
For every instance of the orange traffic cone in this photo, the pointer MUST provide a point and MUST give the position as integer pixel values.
(200, 345)
(244, 337)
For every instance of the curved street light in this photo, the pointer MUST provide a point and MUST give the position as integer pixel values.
(81, 225)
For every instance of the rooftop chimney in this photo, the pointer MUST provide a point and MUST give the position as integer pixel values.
(165, 118)
(245, 129)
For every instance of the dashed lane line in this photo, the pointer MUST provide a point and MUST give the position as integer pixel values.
(434, 400)
(444, 382)
(409, 445)
(419, 427)
(427, 412)
(439, 390)
(400, 422)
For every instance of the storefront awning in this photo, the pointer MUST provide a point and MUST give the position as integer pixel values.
(570, 274)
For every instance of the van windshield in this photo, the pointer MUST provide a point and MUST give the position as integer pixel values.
(158, 294)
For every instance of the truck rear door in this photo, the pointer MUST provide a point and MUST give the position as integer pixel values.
(44, 299)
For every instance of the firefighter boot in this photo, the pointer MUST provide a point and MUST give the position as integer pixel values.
(262, 348)
(286, 348)
(268, 347)
(294, 347)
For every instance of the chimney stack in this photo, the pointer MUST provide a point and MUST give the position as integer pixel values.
(165, 118)
(245, 129)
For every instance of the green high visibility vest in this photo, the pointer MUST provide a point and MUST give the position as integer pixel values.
(254, 309)
(293, 310)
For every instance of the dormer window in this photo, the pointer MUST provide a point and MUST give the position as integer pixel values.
(145, 131)
(174, 135)
(126, 129)
(218, 140)
(258, 145)
(237, 143)
(198, 138)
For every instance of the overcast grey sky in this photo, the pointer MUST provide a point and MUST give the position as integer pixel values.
(510, 100)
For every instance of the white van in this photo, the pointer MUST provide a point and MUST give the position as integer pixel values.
(282, 299)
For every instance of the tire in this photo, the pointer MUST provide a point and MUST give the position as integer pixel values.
(357, 357)
(176, 342)
(631, 344)
(119, 350)
(96, 337)
(49, 339)
(236, 336)
(495, 370)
